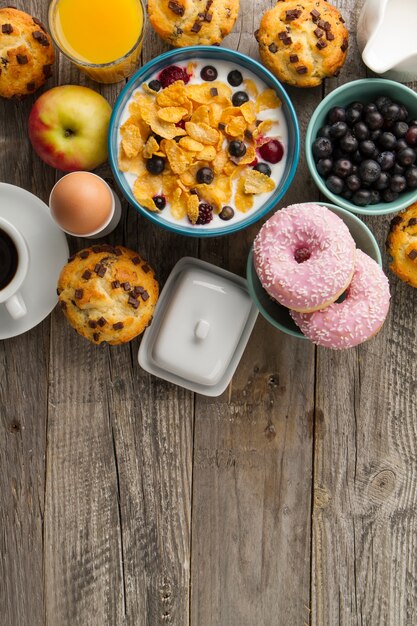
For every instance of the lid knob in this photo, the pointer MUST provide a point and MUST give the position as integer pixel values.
(202, 329)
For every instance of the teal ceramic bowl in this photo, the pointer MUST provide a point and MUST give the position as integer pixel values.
(365, 90)
(213, 54)
(278, 315)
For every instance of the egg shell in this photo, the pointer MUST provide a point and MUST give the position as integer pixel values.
(81, 203)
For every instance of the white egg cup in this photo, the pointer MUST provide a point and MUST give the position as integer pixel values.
(108, 226)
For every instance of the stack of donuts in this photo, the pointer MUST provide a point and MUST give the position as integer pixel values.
(307, 260)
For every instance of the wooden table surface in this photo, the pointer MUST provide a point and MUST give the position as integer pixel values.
(289, 500)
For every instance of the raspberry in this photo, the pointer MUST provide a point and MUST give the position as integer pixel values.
(171, 74)
(205, 214)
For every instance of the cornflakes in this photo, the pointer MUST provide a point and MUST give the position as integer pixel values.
(190, 126)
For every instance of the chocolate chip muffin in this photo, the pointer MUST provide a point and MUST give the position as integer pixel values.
(26, 54)
(108, 293)
(193, 22)
(402, 245)
(303, 42)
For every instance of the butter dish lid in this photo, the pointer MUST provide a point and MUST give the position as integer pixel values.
(202, 323)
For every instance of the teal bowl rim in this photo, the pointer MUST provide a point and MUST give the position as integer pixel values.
(386, 208)
(249, 266)
(208, 52)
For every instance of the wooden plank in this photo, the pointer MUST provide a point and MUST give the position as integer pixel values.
(119, 462)
(253, 450)
(23, 406)
(364, 521)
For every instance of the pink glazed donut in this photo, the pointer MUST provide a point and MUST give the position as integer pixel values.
(358, 318)
(304, 256)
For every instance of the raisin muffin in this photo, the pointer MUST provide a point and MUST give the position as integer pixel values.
(303, 42)
(26, 53)
(108, 293)
(193, 22)
(402, 245)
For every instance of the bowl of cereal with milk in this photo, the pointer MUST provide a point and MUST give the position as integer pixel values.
(203, 141)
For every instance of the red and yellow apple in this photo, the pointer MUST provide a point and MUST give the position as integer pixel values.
(68, 128)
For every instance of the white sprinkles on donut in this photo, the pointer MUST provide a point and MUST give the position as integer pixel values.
(358, 318)
(304, 256)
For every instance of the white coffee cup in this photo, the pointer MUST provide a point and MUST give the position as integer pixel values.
(10, 295)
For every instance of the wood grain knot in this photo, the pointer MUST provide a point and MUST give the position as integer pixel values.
(382, 484)
(273, 380)
(14, 427)
(270, 432)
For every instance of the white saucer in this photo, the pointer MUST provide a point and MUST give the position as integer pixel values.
(48, 252)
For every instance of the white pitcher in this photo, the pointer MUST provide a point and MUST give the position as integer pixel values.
(387, 38)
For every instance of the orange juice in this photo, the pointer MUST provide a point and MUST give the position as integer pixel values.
(99, 33)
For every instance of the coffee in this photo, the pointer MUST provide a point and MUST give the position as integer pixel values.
(8, 259)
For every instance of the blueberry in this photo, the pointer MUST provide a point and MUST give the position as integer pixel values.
(208, 73)
(398, 183)
(237, 148)
(348, 143)
(338, 130)
(406, 157)
(411, 177)
(382, 102)
(403, 114)
(263, 168)
(387, 141)
(369, 171)
(234, 78)
(362, 197)
(205, 176)
(155, 85)
(160, 202)
(336, 114)
(322, 148)
(342, 168)
(324, 132)
(375, 197)
(155, 165)
(352, 116)
(361, 131)
(397, 169)
(226, 213)
(239, 98)
(374, 120)
(391, 112)
(375, 135)
(400, 129)
(367, 147)
(357, 157)
(412, 123)
(347, 194)
(324, 167)
(389, 196)
(386, 160)
(357, 106)
(382, 182)
(335, 184)
(401, 145)
(411, 136)
(353, 182)
(369, 108)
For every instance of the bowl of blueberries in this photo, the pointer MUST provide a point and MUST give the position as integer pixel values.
(361, 146)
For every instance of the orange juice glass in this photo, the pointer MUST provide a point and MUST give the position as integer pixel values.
(102, 37)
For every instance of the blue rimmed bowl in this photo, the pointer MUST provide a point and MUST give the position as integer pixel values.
(364, 90)
(278, 315)
(213, 54)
